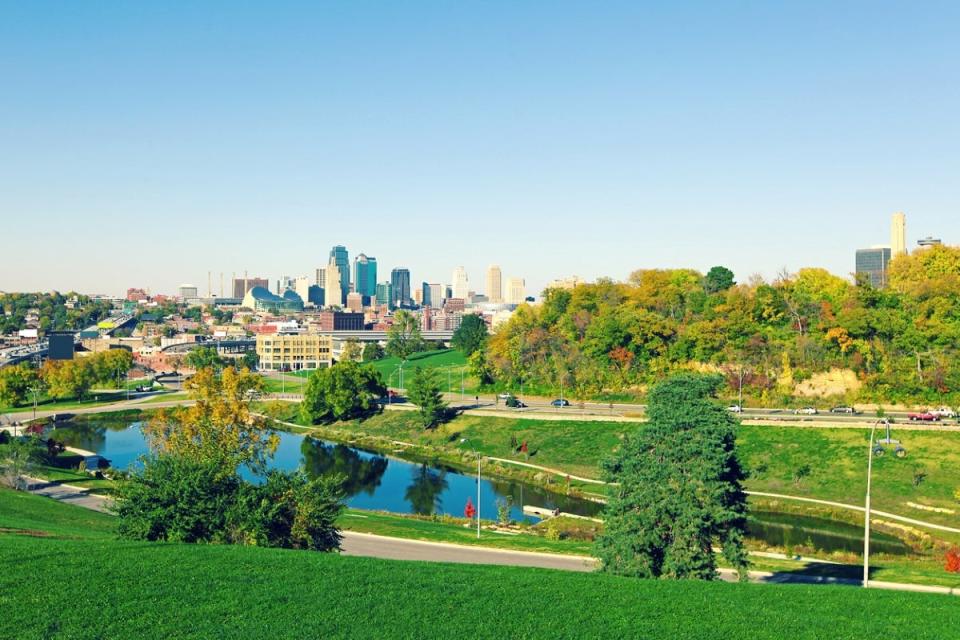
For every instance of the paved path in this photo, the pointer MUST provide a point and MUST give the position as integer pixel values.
(69, 494)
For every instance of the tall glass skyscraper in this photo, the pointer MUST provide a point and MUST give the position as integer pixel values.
(340, 256)
(385, 294)
(365, 276)
(400, 280)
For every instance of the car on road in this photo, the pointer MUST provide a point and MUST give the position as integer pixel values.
(505, 396)
(923, 416)
(735, 408)
(513, 403)
(806, 411)
(944, 412)
(560, 402)
(844, 409)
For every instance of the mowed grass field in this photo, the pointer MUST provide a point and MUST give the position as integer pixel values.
(64, 577)
(837, 458)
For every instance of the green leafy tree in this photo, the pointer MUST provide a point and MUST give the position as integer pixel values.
(424, 391)
(68, 378)
(403, 336)
(15, 384)
(471, 335)
(205, 358)
(718, 279)
(679, 488)
(372, 351)
(345, 391)
(479, 367)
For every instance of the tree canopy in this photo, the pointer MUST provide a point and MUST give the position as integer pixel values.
(403, 336)
(471, 335)
(345, 391)
(679, 492)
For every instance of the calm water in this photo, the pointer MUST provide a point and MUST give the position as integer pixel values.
(377, 482)
(373, 481)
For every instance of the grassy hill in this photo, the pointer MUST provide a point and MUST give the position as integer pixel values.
(64, 577)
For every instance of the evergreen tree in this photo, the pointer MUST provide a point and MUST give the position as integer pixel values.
(424, 392)
(680, 490)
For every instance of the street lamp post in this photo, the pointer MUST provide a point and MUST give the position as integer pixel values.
(866, 519)
(479, 459)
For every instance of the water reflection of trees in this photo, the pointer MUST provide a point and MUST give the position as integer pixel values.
(423, 494)
(360, 474)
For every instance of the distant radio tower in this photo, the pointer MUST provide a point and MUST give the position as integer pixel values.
(209, 284)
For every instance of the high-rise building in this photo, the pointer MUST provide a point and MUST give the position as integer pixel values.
(354, 301)
(873, 263)
(187, 292)
(340, 256)
(516, 291)
(365, 275)
(418, 296)
(400, 281)
(302, 286)
(494, 284)
(385, 294)
(242, 285)
(461, 284)
(321, 277)
(436, 294)
(333, 285)
(898, 235)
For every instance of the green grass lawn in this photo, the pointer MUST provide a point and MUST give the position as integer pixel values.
(64, 577)
(441, 360)
(837, 457)
(52, 404)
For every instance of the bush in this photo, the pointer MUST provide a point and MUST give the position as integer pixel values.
(176, 499)
(288, 510)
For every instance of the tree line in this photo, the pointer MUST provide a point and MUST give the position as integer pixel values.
(901, 342)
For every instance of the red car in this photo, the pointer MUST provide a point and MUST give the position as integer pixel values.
(926, 416)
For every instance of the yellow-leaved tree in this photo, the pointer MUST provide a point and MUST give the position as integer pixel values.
(219, 427)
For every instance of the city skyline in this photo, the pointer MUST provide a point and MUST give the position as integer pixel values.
(751, 137)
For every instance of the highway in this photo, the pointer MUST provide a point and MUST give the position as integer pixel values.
(15, 355)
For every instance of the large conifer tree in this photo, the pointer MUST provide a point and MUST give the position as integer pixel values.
(679, 491)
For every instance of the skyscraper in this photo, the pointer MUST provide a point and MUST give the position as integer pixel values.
(242, 285)
(461, 284)
(333, 285)
(494, 284)
(365, 276)
(898, 235)
(385, 294)
(340, 256)
(873, 264)
(516, 291)
(400, 281)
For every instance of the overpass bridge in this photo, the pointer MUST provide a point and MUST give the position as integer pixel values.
(39, 350)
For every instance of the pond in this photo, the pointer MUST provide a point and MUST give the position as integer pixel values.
(382, 483)
(372, 481)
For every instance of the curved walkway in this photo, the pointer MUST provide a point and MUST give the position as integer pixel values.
(829, 503)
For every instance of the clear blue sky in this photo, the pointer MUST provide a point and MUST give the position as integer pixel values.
(144, 144)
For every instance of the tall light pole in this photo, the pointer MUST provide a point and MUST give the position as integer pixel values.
(866, 519)
(479, 459)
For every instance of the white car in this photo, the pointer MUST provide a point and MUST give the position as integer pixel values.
(806, 411)
(944, 412)
(735, 408)
(504, 396)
